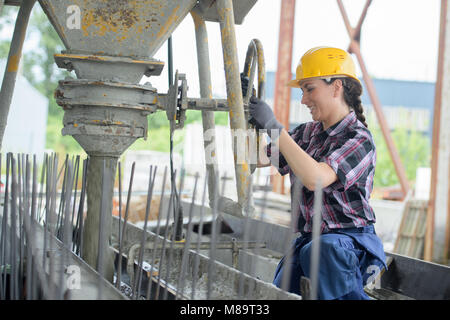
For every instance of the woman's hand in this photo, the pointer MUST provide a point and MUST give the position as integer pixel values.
(261, 115)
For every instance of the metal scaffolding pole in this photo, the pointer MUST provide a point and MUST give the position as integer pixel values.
(354, 47)
(282, 98)
(12, 66)
(204, 74)
(235, 100)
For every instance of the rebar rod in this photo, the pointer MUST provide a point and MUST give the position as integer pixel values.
(124, 228)
(79, 224)
(315, 242)
(151, 183)
(199, 236)
(34, 188)
(214, 232)
(176, 230)
(77, 166)
(46, 211)
(157, 236)
(119, 231)
(1, 226)
(246, 234)
(287, 259)
(13, 233)
(33, 218)
(51, 223)
(68, 225)
(164, 242)
(186, 248)
(20, 197)
(29, 227)
(260, 230)
(4, 227)
(62, 198)
(27, 214)
(43, 174)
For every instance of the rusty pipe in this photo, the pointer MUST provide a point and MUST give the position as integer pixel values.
(12, 66)
(204, 74)
(235, 100)
(429, 233)
(282, 96)
(356, 34)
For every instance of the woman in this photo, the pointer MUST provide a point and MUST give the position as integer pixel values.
(336, 149)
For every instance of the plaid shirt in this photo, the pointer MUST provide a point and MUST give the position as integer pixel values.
(348, 148)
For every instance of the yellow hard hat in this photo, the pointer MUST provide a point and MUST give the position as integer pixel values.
(324, 62)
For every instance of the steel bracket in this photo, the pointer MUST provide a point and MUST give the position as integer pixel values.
(176, 102)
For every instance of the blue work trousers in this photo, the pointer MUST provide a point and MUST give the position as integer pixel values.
(349, 258)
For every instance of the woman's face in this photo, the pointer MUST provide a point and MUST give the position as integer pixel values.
(319, 97)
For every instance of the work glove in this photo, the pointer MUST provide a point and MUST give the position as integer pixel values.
(244, 85)
(262, 117)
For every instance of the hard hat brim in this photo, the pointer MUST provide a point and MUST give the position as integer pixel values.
(295, 83)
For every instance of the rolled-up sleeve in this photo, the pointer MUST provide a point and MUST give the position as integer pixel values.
(352, 160)
(275, 156)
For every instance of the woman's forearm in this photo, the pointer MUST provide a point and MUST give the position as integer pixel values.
(262, 159)
(308, 170)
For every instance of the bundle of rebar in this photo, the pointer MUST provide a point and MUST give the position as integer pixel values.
(41, 239)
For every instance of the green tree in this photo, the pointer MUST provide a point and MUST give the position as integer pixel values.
(414, 150)
(39, 68)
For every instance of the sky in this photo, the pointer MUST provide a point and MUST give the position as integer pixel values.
(399, 39)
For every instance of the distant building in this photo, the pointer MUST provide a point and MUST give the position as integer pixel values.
(407, 104)
(27, 120)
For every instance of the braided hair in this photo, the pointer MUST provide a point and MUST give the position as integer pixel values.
(352, 96)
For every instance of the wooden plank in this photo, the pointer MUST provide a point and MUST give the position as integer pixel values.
(402, 222)
(411, 233)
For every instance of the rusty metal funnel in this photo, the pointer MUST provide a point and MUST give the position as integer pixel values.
(114, 40)
(123, 28)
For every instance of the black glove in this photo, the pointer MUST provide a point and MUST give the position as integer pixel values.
(244, 85)
(262, 117)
